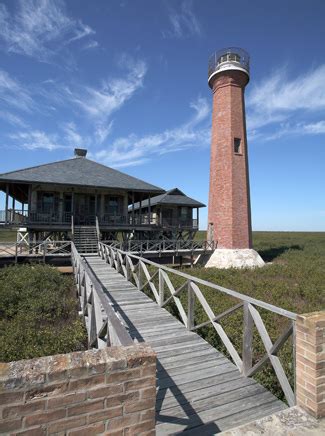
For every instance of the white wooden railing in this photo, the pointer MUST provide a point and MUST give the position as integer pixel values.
(104, 327)
(157, 279)
(157, 246)
(36, 249)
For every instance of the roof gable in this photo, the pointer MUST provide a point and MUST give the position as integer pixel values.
(79, 171)
(172, 197)
(175, 191)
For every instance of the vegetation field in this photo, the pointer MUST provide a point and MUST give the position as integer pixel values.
(38, 313)
(293, 278)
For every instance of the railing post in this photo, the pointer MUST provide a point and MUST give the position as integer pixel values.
(72, 227)
(44, 251)
(247, 340)
(190, 306)
(139, 275)
(127, 268)
(161, 288)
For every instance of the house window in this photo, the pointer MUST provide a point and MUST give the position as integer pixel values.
(113, 205)
(47, 202)
(184, 213)
(237, 145)
(68, 203)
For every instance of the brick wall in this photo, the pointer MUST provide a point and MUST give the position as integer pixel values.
(229, 199)
(110, 391)
(310, 362)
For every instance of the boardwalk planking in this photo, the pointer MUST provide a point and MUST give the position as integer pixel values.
(199, 391)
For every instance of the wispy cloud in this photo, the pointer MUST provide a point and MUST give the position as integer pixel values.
(37, 26)
(90, 45)
(102, 131)
(37, 139)
(183, 22)
(12, 119)
(13, 94)
(72, 136)
(274, 101)
(52, 96)
(135, 150)
(101, 102)
(296, 129)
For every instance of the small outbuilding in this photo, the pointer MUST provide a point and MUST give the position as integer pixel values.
(172, 211)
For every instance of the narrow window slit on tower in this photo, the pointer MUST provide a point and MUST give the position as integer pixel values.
(237, 145)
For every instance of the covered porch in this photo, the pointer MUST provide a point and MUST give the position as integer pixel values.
(26, 205)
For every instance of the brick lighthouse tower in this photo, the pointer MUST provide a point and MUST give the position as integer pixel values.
(229, 216)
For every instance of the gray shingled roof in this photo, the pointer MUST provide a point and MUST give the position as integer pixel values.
(79, 171)
(171, 197)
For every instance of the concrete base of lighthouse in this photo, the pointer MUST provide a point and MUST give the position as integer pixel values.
(224, 258)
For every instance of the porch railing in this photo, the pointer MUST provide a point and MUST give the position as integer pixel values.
(20, 217)
(104, 326)
(157, 279)
(14, 216)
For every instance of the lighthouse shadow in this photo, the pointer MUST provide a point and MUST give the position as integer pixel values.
(270, 254)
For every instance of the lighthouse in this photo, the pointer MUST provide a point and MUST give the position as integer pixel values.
(229, 213)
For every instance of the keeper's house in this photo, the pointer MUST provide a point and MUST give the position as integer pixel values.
(55, 198)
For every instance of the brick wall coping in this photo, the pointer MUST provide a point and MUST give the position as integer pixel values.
(24, 374)
(313, 317)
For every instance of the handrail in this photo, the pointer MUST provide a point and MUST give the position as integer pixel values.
(230, 292)
(177, 245)
(97, 228)
(135, 268)
(103, 325)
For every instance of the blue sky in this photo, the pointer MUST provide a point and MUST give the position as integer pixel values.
(128, 81)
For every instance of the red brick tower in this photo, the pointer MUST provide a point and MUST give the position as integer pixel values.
(229, 217)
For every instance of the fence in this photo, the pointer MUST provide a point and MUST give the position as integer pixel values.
(157, 279)
(36, 249)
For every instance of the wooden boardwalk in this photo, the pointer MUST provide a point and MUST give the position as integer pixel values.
(199, 391)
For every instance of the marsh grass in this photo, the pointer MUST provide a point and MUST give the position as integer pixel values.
(38, 313)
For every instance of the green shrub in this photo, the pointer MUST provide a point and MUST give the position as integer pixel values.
(38, 313)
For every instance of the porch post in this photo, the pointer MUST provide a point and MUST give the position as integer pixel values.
(99, 205)
(132, 208)
(61, 208)
(7, 200)
(29, 201)
(13, 203)
(149, 208)
(72, 204)
(197, 217)
(140, 209)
